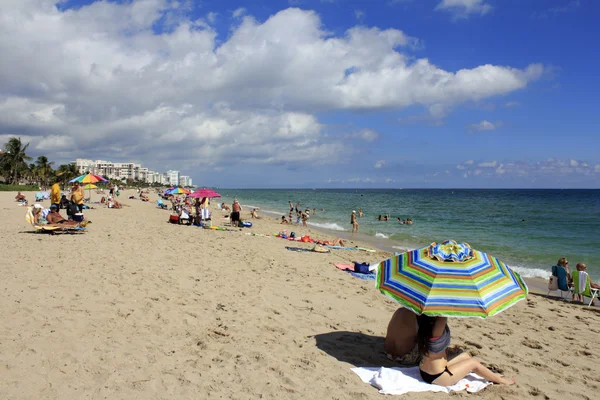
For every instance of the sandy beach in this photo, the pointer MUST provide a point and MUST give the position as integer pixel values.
(137, 308)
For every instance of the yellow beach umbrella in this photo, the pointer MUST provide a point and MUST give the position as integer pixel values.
(90, 186)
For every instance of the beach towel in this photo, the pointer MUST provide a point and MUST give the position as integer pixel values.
(364, 277)
(397, 381)
(302, 250)
(350, 248)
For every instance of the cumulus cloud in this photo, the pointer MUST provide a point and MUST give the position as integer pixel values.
(464, 8)
(484, 126)
(550, 171)
(380, 163)
(142, 80)
(238, 12)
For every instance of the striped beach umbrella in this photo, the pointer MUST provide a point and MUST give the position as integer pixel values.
(450, 280)
(178, 190)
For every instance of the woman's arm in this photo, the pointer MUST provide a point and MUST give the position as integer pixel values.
(439, 327)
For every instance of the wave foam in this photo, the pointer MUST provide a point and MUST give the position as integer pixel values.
(329, 225)
(526, 272)
(381, 235)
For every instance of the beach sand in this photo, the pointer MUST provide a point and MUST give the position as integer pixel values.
(137, 308)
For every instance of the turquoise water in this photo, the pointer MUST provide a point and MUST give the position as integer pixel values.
(527, 229)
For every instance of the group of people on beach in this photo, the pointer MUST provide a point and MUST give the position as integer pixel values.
(302, 216)
(565, 279)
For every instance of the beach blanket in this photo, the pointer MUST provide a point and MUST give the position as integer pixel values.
(350, 248)
(397, 381)
(303, 250)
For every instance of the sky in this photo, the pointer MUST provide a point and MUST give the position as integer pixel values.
(311, 93)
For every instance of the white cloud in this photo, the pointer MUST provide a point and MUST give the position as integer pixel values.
(99, 80)
(359, 14)
(212, 17)
(484, 126)
(380, 163)
(469, 162)
(549, 171)
(510, 104)
(460, 166)
(389, 180)
(464, 8)
(368, 135)
(237, 13)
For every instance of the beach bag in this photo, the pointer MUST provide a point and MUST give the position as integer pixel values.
(305, 239)
(72, 209)
(361, 268)
(174, 219)
(553, 283)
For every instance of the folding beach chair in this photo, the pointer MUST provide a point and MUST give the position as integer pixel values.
(50, 228)
(582, 286)
(559, 281)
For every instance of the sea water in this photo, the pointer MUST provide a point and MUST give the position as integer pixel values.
(527, 229)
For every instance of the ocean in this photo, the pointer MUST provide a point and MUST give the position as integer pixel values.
(527, 229)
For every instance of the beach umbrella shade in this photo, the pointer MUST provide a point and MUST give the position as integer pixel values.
(201, 193)
(450, 280)
(90, 186)
(178, 191)
(89, 179)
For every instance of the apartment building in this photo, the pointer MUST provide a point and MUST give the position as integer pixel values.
(125, 171)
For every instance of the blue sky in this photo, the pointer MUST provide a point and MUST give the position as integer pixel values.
(311, 93)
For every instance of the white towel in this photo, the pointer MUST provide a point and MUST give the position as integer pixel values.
(404, 380)
(582, 276)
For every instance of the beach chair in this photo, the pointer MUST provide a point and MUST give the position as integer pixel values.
(49, 228)
(582, 286)
(560, 275)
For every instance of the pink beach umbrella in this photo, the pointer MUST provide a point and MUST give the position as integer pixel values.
(200, 193)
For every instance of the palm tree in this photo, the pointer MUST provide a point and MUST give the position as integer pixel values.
(14, 159)
(31, 174)
(44, 169)
(67, 172)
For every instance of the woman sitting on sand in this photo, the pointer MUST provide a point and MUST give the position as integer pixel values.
(436, 368)
(112, 203)
(284, 220)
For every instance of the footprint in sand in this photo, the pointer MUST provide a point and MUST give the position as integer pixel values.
(476, 345)
(532, 344)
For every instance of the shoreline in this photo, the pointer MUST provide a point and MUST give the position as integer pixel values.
(536, 285)
(391, 245)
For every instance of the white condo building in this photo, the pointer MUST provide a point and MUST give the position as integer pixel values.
(173, 178)
(185, 180)
(127, 171)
